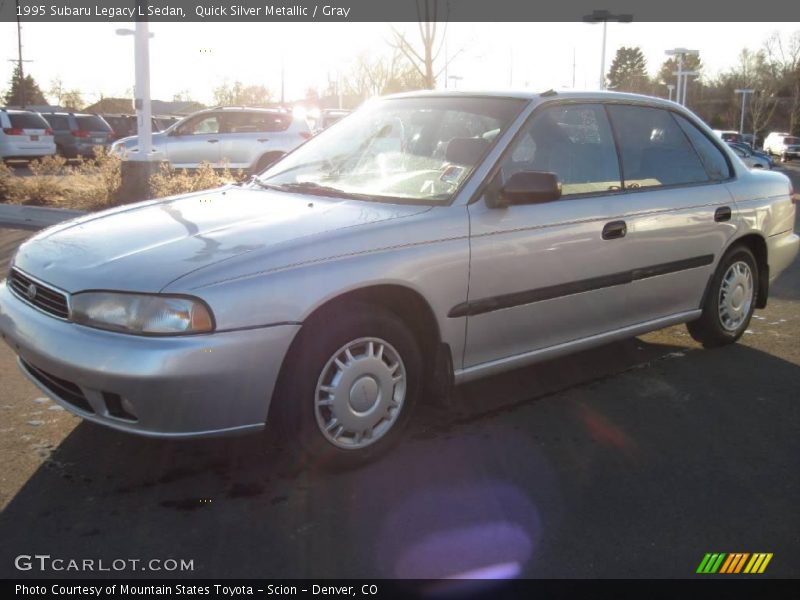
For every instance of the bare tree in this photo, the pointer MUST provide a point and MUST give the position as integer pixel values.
(784, 60)
(376, 75)
(754, 72)
(423, 58)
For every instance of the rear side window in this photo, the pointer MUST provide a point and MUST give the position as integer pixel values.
(573, 141)
(257, 122)
(653, 148)
(712, 158)
(92, 123)
(27, 121)
(59, 122)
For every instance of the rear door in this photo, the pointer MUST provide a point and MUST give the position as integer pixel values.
(250, 135)
(678, 211)
(93, 129)
(28, 132)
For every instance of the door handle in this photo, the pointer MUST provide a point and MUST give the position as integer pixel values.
(723, 213)
(262, 140)
(615, 230)
(212, 141)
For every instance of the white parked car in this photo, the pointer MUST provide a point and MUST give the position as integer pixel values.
(236, 137)
(24, 135)
(784, 145)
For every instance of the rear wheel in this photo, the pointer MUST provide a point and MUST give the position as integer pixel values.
(350, 386)
(730, 301)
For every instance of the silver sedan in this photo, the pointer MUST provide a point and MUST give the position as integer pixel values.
(427, 240)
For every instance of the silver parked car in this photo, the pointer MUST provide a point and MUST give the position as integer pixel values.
(428, 239)
(236, 137)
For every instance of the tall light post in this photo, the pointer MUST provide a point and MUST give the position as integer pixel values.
(681, 54)
(671, 88)
(604, 16)
(141, 102)
(744, 93)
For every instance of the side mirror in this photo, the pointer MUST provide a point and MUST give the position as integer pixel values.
(528, 187)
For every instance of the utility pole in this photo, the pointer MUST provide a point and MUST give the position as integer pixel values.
(20, 61)
(573, 67)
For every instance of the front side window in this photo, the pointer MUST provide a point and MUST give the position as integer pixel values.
(398, 150)
(575, 142)
(654, 150)
(202, 125)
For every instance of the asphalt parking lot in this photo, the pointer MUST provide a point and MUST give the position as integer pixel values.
(631, 460)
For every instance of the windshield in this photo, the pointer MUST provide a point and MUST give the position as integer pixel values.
(398, 150)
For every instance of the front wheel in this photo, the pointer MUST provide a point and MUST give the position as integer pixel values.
(350, 386)
(730, 301)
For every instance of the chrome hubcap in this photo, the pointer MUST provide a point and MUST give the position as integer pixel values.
(360, 393)
(735, 295)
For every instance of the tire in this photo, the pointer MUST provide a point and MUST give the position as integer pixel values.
(730, 301)
(266, 160)
(345, 413)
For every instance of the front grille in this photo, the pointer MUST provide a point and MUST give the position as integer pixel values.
(66, 390)
(43, 297)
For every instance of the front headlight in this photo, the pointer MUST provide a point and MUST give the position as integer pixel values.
(141, 314)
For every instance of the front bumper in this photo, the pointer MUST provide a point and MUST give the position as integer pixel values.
(182, 386)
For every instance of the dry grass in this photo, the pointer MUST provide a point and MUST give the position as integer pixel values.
(169, 181)
(93, 184)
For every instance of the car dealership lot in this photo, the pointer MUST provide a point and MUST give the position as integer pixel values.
(631, 460)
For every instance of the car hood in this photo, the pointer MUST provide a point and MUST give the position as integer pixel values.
(145, 246)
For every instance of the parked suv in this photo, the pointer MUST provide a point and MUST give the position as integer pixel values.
(240, 138)
(78, 133)
(24, 134)
(784, 145)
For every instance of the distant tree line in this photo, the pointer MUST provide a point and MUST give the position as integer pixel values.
(772, 72)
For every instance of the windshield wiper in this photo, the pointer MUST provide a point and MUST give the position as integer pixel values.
(309, 187)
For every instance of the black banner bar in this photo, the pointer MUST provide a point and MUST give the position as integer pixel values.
(395, 10)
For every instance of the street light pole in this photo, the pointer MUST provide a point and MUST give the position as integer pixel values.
(604, 16)
(744, 93)
(671, 88)
(681, 54)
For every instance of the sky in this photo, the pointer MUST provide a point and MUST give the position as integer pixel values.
(196, 57)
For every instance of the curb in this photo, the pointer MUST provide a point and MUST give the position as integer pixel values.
(34, 217)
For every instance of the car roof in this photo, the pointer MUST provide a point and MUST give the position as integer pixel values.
(527, 95)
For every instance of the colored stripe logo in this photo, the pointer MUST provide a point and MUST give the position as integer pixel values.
(733, 563)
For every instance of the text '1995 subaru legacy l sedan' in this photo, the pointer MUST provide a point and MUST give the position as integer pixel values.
(425, 240)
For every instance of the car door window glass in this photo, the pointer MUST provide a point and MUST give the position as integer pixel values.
(711, 156)
(201, 126)
(654, 150)
(260, 122)
(574, 142)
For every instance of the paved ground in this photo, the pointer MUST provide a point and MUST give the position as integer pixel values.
(632, 460)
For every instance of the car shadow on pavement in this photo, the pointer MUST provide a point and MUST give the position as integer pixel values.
(630, 460)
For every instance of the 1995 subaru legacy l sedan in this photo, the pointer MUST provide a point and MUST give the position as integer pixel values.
(424, 240)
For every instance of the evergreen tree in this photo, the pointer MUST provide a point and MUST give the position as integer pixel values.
(628, 72)
(33, 95)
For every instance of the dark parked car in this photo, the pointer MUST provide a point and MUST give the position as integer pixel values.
(77, 134)
(125, 125)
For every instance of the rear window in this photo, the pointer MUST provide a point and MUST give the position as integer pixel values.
(60, 122)
(27, 121)
(92, 123)
(791, 141)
